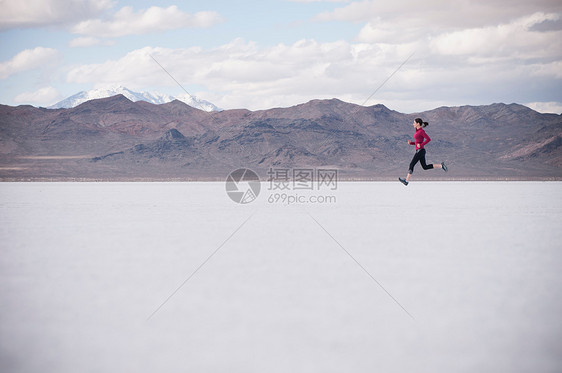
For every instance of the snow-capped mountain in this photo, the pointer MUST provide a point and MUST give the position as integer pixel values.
(197, 102)
(152, 97)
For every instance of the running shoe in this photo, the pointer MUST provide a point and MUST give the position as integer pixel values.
(403, 181)
(444, 166)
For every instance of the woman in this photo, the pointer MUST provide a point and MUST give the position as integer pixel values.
(420, 140)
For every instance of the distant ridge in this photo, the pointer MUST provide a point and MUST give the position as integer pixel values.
(152, 97)
(115, 138)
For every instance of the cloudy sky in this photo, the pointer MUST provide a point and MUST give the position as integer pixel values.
(259, 54)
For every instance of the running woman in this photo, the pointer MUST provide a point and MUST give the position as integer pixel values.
(420, 140)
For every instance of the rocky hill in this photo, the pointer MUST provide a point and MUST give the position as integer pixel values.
(116, 139)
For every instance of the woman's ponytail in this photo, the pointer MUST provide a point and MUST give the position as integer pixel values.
(421, 122)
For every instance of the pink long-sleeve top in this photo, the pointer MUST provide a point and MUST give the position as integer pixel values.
(420, 137)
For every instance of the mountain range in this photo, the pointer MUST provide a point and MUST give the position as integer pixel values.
(152, 97)
(115, 138)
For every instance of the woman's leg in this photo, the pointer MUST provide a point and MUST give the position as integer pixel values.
(420, 157)
(430, 166)
(415, 160)
(424, 165)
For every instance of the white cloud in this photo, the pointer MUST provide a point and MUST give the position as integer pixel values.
(26, 60)
(514, 39)
(546, 107)
(548, 70)
(466, 52)
(242, 74)
(88, 41)
(37, 13)
(237, 62)
(430, 14)
(134, 70)
(379, 31)
(319, 1)
(44, 96)
(245, 74)
(154, 19)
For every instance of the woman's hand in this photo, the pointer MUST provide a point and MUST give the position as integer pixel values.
(410, 142)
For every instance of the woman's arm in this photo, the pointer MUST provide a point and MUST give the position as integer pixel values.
(427, 139)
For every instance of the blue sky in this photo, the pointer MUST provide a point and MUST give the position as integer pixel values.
(270, 53)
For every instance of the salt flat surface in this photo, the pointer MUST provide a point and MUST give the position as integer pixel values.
(445, 277)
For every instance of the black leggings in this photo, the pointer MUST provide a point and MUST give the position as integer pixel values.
(419, 157)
